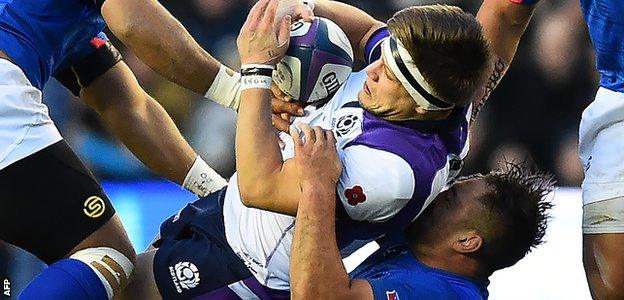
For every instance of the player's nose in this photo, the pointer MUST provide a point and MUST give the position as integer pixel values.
(373, 70)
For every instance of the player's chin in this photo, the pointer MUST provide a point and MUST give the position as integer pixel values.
(363, 97)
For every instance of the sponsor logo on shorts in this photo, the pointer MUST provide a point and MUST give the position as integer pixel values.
(94, 207)
(6, 287)
(185, 275)
(392, 295)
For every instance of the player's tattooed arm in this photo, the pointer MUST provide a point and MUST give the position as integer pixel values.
(357, 24)
(499, 68)
(504, 23)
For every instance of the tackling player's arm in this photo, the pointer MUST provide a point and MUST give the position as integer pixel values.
(316, 269)
(357, 24)
(159, 40)
(504, 23)
(139, 122)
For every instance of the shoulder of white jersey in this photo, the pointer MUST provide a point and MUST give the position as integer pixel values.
(375, 184)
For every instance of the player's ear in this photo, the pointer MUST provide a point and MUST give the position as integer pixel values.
(467, 242)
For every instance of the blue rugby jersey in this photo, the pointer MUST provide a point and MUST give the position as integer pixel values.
(404, 277)
(605, 21)
(46, 36)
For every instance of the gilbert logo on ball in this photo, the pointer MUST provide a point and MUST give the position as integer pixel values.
(318, 61)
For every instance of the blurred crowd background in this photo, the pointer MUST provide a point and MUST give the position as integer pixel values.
(533, 114)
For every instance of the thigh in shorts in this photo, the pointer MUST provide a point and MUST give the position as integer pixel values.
(50, 202)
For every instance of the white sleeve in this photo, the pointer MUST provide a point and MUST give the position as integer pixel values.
(374, 185)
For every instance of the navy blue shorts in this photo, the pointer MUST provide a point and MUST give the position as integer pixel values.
(193, 256)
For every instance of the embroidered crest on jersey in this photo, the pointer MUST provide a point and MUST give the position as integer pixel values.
(184, 275)
(392, 295)
(347, 124)
(355, 195)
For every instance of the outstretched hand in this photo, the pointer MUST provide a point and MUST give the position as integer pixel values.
(263, 39)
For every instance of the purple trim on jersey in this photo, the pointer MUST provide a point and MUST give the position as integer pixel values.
(224, 293)
(262, 292)
(319, 59)
(372, 50)
(424, 145)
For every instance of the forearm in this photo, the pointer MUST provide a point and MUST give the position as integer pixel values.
(357, 24)
(160, 41)
(148, 132)
(316, 269)
(258, 157)
(140, 123)
(504, 24)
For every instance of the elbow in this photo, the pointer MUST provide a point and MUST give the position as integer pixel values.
(310, 291)
(303, 290)
(122, 25)
(252, 194)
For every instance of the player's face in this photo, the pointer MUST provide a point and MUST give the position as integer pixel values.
(384, 96)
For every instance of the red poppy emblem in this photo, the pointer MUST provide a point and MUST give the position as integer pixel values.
(355, 195)
(97, 42)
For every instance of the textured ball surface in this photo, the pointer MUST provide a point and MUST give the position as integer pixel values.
(318, 60)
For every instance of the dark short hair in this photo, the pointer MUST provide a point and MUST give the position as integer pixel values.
(513, 219)
(518, 205)
(448, 47)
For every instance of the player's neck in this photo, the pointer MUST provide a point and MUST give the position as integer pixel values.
(450, 261)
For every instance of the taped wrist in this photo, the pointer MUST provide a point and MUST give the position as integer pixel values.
(225, 89)
(256, 76)
(202, 180)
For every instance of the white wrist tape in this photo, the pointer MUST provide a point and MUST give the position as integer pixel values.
(202, 179)
(257, 66)
(256, 82)
(225, 89)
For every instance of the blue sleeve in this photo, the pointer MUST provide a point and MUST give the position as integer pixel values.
(409, 286)
(372, 50)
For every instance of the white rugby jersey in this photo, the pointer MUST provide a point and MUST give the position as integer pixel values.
(385, 184)
(391, 172)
